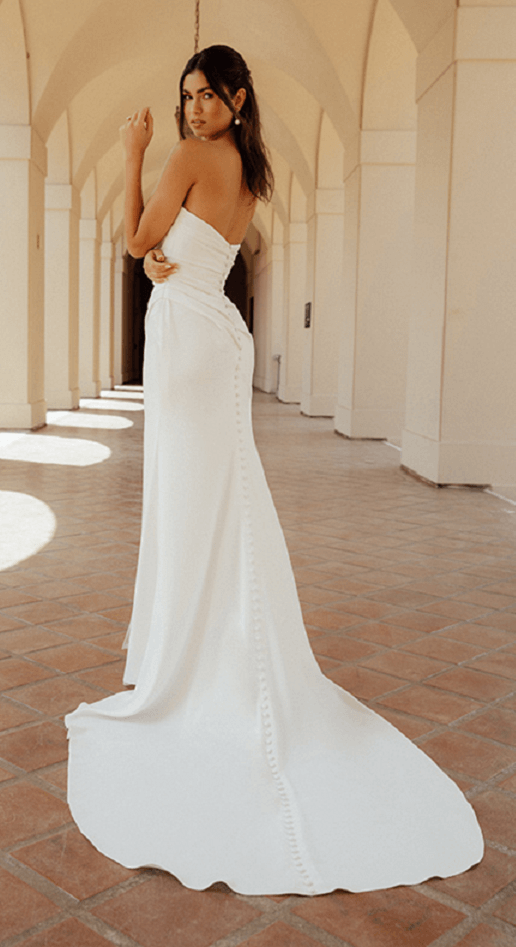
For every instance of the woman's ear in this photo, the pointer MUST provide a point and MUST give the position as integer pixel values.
(239, 99)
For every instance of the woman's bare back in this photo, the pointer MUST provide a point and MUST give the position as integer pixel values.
(219, 196)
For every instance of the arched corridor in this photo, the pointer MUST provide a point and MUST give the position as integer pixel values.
(390, 125)
(379, 287)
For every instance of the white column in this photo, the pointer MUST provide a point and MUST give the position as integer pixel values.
(89, 329)
(295, 290)
(106, 315)
(62, 209)
(22, 199)
(461, 385)
(324, 290)
(118, 309)
(277, 305)
(262, 329)
(379, 221)
(268, 303)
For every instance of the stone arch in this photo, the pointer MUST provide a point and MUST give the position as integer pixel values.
(122, 30)
(388, 99)
(421, 19)
(59, 152)
(14, 77)
(330, 156)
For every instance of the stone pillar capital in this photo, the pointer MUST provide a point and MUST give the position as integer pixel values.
(380, 146)
(326, 200)
(388, 147)
(89, 229)
(62, 197)
(297, 232)
(107, 250)
(471, 33)
(22, 143)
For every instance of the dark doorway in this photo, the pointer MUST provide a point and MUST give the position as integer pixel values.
(139, 288)
(236, 287)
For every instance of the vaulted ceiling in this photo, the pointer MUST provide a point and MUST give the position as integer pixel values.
(75, 68)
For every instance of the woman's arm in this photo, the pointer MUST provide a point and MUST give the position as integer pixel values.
(145, 228)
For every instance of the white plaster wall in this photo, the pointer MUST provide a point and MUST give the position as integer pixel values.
(262, 328)
(22, 197)
(479, 390)
(434, 138)
(461, 396)
(325, 240)
(294, 303)
(377, 300)
(62, 296)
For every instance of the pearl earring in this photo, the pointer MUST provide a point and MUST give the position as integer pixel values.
(237, 121)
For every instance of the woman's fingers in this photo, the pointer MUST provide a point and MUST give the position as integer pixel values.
(138, 129)
(143, 117)
(161, 271)
(148, 120)
(157, 267)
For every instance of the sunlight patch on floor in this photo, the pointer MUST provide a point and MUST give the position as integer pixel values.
(125, 393)
(76, 419)
(26, 526)
(104, 404)
(41, 449)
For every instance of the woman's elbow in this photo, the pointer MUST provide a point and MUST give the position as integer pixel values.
(136, 248)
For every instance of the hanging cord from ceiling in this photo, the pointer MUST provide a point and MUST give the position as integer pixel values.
(197, 22)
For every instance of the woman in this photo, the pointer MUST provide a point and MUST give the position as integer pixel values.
(234, 759)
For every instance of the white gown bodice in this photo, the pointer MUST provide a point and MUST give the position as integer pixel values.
(204, 260)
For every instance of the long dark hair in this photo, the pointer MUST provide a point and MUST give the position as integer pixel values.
(226, 73)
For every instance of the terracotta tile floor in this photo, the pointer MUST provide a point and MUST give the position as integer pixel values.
(409, 596)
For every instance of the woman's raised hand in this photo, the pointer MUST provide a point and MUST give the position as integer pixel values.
(136, 134)
(157, 267)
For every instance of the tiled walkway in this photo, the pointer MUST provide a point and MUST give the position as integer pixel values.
(410, 601)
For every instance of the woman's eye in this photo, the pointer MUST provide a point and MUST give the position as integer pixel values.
(208, 95)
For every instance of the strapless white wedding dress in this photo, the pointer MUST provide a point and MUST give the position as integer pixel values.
(234, 759)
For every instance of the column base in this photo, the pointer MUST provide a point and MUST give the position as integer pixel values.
(289, 395)
(25, 416)
(470, 464)
(263, 384)
(318, 406)
(63, 400)
(91, 389)
(369, 423)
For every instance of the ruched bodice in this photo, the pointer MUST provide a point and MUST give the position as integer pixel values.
(204, 256)
(204, 260)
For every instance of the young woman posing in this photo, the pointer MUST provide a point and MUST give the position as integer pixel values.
(234, 759)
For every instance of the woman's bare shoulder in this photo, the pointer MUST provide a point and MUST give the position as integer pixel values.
(185, 149)
(187, 157)
(194, 147)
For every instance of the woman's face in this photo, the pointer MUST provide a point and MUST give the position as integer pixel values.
(206, 114)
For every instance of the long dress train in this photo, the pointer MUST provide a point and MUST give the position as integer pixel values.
(234, 759)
